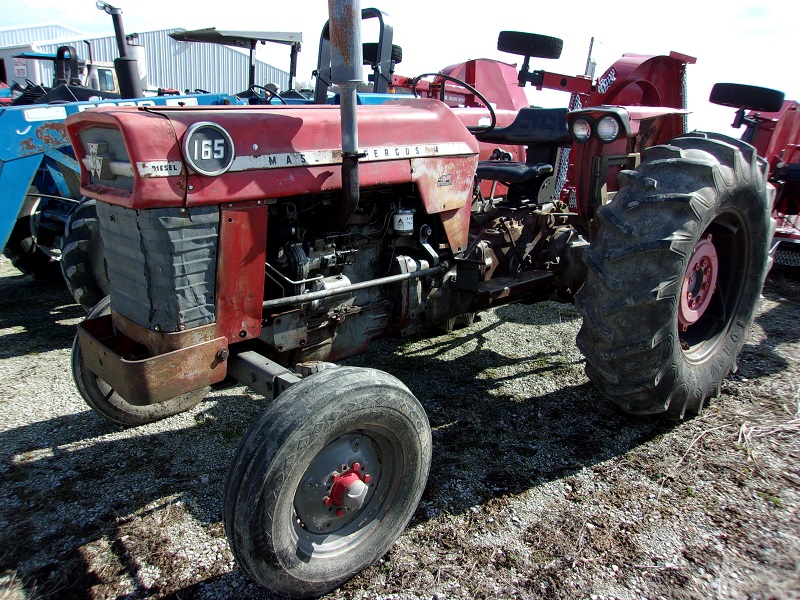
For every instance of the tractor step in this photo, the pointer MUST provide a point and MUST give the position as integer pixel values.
(509, 287)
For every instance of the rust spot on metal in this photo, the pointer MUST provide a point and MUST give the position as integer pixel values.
(340, 33)
(52, 134)
(28, 146)
(49, 134)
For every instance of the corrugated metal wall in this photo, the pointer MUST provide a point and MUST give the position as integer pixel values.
(186, 65)
(25, 35)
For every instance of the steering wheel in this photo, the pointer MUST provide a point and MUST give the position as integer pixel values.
(268, 93)
(481, 97)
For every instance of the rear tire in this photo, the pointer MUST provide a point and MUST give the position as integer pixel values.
(651, 345)
(102, 398)
(285, 531)
(82, 262)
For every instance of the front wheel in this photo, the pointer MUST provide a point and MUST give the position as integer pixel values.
(326, 480)
(675, 272)
(102, 398)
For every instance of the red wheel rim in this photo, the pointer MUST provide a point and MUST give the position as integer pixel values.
(699, 283)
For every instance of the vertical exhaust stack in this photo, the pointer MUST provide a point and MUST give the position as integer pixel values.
(347, 73)
(130, 84)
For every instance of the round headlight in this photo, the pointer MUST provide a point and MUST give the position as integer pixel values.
(607, 129)
(581, 129)
(208, 149)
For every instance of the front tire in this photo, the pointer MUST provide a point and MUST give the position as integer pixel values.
(675, 273)
(326, 480)
(102, 398)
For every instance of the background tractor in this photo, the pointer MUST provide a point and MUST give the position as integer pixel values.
(772, 125)
(263, 243)
(47, 228)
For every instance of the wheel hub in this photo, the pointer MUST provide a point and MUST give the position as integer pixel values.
(699, 283)
(337, 484)
(349, 490)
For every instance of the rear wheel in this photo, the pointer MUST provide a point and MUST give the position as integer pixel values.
(326, 480)
(22, 248)
(82, 262)
(102, 398)
(675, 273)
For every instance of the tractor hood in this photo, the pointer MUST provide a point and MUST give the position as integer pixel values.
(159, 157)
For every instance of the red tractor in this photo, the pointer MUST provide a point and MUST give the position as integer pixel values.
(264, 243)
(772, 125)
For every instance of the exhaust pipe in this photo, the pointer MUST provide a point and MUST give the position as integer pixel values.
(346, 72)
(130, 84)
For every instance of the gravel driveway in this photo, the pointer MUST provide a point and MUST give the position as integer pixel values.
(538, 487)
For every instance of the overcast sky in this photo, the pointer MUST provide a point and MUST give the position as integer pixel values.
(733, 40)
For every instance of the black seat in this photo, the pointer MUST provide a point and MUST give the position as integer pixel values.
(543, 131)
(533, 127)
(512, 172)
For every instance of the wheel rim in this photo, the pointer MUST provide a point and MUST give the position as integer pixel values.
(699, 283)
(345, 488)
(713, 285)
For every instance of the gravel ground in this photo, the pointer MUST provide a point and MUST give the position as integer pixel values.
(538, 487)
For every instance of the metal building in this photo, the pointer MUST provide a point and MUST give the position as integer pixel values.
(20, 36)
(167, 63)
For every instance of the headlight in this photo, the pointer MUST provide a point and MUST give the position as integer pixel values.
(581, 129)
(608, 129)
(208, 149)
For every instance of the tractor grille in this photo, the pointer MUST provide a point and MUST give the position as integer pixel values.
(161, 264)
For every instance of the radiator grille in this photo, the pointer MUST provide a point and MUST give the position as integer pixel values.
(161, 264)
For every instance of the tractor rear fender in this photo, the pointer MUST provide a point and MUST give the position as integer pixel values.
(784, 144)
(783, 155)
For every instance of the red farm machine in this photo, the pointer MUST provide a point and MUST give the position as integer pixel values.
(264, 243)
(772, 126)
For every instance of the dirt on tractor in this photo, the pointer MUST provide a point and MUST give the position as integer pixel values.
(539, 488)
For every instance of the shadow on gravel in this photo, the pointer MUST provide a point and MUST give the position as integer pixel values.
(74, 490)
(71, 491)
(37, 309)
(515, 443)
(70, 488)
(779, 323)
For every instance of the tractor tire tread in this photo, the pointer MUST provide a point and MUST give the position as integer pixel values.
(82, 262)
(629, 334)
